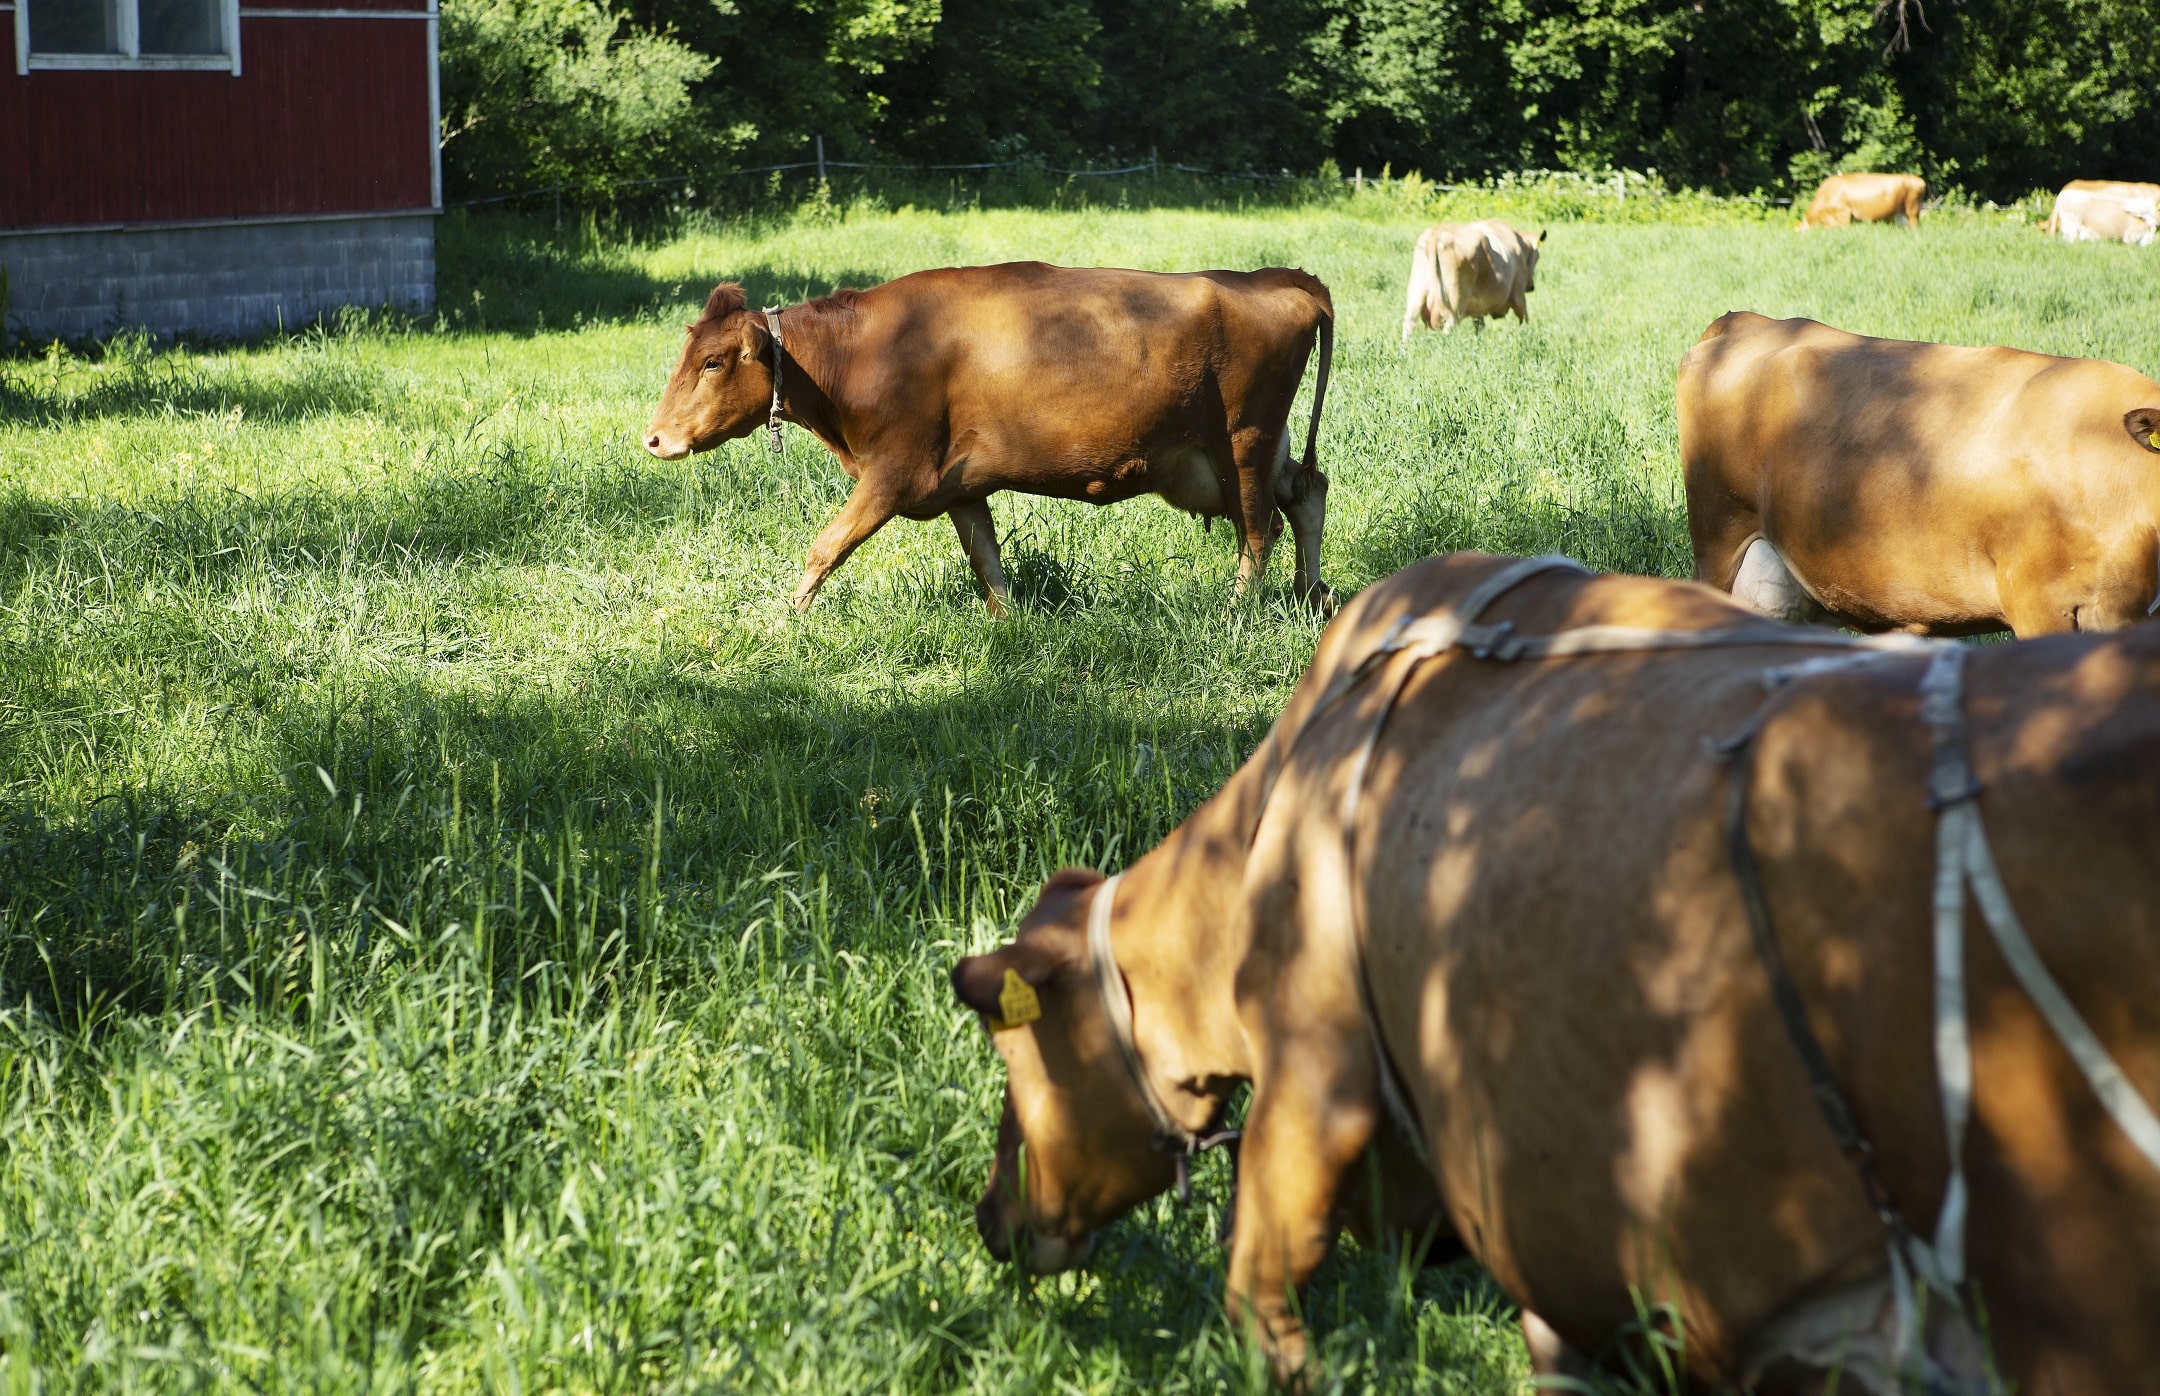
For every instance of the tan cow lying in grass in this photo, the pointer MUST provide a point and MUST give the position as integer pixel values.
(938, 389)
(1468, 271)
(1885, 484)
(1868, 198)
(1538, 874)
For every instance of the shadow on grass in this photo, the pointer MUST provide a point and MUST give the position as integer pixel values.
(131, 378)
(1631, 529)
(518, 276)
(640, 795)
(499, 502)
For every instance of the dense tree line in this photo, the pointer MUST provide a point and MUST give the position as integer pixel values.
(1996, 96)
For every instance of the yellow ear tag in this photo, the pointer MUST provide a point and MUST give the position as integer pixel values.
(1017, 1003)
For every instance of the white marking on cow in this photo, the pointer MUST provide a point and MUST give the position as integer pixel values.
(1766, 583)
(1185, 478)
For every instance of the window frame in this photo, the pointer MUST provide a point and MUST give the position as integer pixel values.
(131, 59)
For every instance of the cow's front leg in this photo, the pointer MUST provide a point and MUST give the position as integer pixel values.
(1302, 1138)
(871, 504)
(979, 540)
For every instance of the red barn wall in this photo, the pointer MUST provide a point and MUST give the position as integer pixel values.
(329, 115)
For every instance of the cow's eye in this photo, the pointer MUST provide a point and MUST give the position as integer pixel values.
(712, 365)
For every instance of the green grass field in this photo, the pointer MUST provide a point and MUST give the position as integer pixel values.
(457, 930)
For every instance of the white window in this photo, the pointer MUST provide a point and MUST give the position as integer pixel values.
(127, 34)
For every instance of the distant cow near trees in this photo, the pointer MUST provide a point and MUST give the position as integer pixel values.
(2105, 210)
(1865, 198)
(938, 389)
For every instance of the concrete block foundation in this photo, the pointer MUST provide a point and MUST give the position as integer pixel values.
(228, 280)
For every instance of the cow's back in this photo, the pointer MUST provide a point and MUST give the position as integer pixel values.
(1082, 346)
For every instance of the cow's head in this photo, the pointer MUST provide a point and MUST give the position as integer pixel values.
(1075, 1145)
(722, 384)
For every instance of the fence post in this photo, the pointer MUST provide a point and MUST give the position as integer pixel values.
(821, 159)
(1357, 181)
(1619, 186)
(558, 208)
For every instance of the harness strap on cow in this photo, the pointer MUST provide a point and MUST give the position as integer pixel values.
(1910, 1257)
(1170, 1136)
(1964, 857)
(772, 418)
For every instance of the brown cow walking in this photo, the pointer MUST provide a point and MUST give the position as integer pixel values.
(938, 389)
(1558, 961)
(1885, 484)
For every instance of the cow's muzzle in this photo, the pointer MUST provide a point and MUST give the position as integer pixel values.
(660, 444)
(1040, 1254)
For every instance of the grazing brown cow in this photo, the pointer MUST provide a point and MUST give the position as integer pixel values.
(1870, 198)
(941, 388)
(1516, 878)
(2128, 193)
(1468, 271)
(1885, 484)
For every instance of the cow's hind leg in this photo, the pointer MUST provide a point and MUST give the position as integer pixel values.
(979, 540)
(1303, 498)
(1258, 457)
(1414, 308)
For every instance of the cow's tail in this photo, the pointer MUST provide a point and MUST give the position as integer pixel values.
(1326, 303)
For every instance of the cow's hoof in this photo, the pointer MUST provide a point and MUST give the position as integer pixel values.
(1322, 598)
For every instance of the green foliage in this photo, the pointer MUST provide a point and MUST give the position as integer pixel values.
(1736, 96)
(459, 931)
(560, 92)
(787, 70)
(2023, 95)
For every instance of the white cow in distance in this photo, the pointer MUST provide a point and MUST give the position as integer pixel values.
(2088, 215)
(1467, 271)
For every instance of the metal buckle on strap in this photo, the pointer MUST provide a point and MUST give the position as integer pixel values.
(1492, 641)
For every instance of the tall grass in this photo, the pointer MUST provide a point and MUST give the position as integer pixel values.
(457, 929)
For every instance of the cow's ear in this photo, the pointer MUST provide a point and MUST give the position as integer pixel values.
(754, 339)
(2142, 422)
(1001, 985)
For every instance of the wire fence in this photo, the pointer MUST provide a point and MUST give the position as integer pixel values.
(1617, 185)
